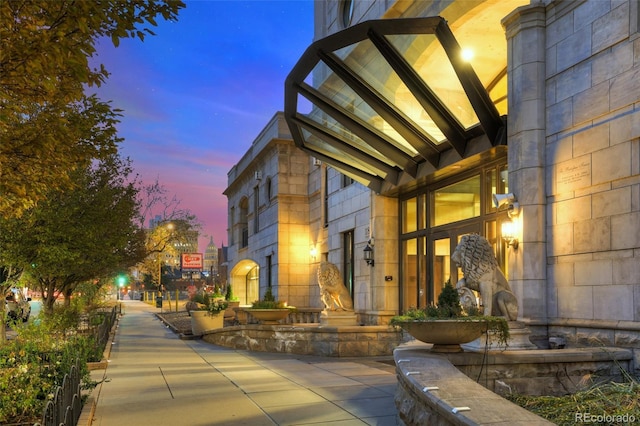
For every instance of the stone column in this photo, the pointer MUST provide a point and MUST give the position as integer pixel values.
(525, 31)
(384, 279)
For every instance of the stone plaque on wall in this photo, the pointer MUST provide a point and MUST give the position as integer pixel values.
(573, 174)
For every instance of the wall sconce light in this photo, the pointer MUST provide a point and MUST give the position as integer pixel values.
(509, 200)
(368, 254)
(508, 230)
(313, 252)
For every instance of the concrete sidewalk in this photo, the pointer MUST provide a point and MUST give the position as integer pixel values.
(155, 378)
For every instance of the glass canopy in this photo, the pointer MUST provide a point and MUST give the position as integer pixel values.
(378, 99)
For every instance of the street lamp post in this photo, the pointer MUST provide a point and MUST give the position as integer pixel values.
(159, 297)
(169, 226)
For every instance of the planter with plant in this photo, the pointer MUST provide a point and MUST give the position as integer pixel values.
(208, 314)
(446, 325)
(229, 296)
(269, 310)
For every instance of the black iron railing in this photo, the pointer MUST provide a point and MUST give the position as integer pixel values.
(65, 407)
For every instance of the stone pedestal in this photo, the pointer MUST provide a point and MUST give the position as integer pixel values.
(518, 340)
(338, 318)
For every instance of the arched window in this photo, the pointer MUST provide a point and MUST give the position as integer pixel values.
(268, 190)
(346, 11)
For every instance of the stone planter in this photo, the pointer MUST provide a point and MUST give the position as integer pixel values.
(445, 335)
(269, 316)
(202, 321)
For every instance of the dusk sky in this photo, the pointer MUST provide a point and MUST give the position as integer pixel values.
(196, 95)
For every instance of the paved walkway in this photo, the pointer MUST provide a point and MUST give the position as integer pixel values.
(155, 378)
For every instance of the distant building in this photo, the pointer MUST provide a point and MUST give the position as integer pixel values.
(171, 257)
(211, 259)
(269, 219)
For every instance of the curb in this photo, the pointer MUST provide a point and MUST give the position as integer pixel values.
(183, 336)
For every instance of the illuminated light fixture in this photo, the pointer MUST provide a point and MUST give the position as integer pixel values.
(509, 200)
(467, 55)
(368, 254)
(313, 252)
(508, 227)
(508, 230)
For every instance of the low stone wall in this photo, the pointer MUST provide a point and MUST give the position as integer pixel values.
(621, 334)
(431, 391)
(544, 372)
(309, 339)
(431, 386)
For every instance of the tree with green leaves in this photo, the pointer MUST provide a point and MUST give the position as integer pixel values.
(167, 238)
(44, 70)
(74, 236)
(50, 130)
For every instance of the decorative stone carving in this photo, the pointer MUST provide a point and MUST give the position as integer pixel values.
(481, 272)
(467, 298)
(333, 292)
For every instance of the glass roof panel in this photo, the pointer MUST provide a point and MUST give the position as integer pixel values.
(428, 58)
(343, 95)
(325, 148)
(329, 123)
(370, 65)
(498, 94)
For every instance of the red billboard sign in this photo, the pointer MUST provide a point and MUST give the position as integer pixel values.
(191, 261)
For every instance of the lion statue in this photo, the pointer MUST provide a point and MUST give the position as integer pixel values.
(481, 272)
(333, 292)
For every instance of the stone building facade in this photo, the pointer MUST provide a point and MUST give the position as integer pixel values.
(405, 146)
(269, 219)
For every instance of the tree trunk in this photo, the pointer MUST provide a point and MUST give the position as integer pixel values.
(48, 290)
(3, 332)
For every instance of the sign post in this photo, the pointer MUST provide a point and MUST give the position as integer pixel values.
(191, 263)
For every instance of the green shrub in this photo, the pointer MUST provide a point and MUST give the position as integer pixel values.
(36, 361)
(229, 294)
(268, 296)
(268, 302)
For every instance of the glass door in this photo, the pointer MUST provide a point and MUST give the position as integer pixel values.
(415, 267)
(443, 244)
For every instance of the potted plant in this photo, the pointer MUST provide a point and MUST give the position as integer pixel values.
(209, 315)
(269, 310)
(232, 302)
(446, 325)
(231, 298)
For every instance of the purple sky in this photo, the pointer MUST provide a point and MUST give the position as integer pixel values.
(196, 95)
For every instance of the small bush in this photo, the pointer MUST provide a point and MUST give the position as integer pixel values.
(34, 363)
(268, 296)
(229, 294)
(268, 302)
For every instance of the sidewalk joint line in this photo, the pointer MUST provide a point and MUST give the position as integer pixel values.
(165, 381)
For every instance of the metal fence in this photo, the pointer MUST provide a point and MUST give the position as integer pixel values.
(65, 407)
(104, 329)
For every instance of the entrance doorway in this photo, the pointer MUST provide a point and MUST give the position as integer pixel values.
(434, 219)
(245, 280)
